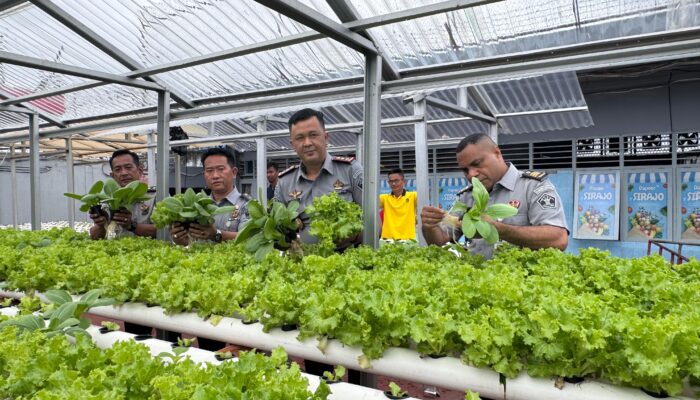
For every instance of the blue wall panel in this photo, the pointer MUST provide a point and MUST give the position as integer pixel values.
(564, 182)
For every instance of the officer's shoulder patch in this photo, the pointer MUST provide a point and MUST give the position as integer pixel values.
(288, 170)
(536, 175)
(464, 190)
(346, 160)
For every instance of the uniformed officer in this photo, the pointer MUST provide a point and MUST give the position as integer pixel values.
(220, 175)
(126, 168)
(540, 220)
(318, 173)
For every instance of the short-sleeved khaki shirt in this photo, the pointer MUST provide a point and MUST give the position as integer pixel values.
(342, 175)
(537, 201)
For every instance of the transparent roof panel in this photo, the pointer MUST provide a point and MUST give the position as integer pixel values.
(315, 61)
(545, 122)
(12, 120)
(550, 91)
(513, 26)
(28, 31)
(154, 32)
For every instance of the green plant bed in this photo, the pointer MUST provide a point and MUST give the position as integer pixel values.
(632, 322)
(34, 365)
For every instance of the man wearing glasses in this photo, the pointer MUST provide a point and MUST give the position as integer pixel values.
(399, 209)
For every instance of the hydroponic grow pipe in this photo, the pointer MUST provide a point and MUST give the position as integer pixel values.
(339, 391)
(446, 372)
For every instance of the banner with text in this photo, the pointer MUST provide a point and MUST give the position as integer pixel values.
(690, 206)
(647, 206)
(597, 205)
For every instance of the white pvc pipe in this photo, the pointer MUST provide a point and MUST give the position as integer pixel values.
(446, 372)
(9, 311)
(339, 391)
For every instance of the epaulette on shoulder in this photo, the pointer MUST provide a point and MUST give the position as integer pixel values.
(346, 160)
(464, 190)
(288, 170)
(152, 189)
(536, 175)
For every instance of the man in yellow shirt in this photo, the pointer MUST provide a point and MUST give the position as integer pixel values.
(399, 208)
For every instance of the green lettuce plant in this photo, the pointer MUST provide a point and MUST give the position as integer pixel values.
(115, 197)
(268, 229)
(186, 208)
(333, 219)
(473, 219)
(91, 199)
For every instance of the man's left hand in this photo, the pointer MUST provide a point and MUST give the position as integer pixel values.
(122, 218)
(202, 232)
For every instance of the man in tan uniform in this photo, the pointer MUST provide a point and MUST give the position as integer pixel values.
(540, 220)
(318, 173)
(126, 168)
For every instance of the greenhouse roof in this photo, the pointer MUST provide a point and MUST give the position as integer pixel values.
(89, 67)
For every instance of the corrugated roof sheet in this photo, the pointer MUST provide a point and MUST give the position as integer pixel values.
(155, 32)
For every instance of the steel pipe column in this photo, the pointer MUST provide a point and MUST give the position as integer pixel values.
(371, 151)
(13, 177)
(34, 171)
(163, 149)
(261, 164)
(422, 179)
(70, 180)
(151, 160)
(178, 173)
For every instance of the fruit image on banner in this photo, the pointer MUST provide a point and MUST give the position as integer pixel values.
(596, 202)
(647, 206)
(690, 206)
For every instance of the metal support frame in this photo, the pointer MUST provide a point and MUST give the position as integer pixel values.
(371, 142)
(35, 172)
(359, 25)
(422, 175)
(454, 108)
(28, 108)
(45, 65)
(371, 146)
(13, 177)
(261, 163)
(177, 160)
(493, 132)
(346, 13)
(151, 160)
(320, 23)
(70, 181)
(96, 40)
(163, 149)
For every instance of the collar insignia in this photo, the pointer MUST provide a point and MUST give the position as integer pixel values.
(514, 203)
(144, 209)
(295, 195)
